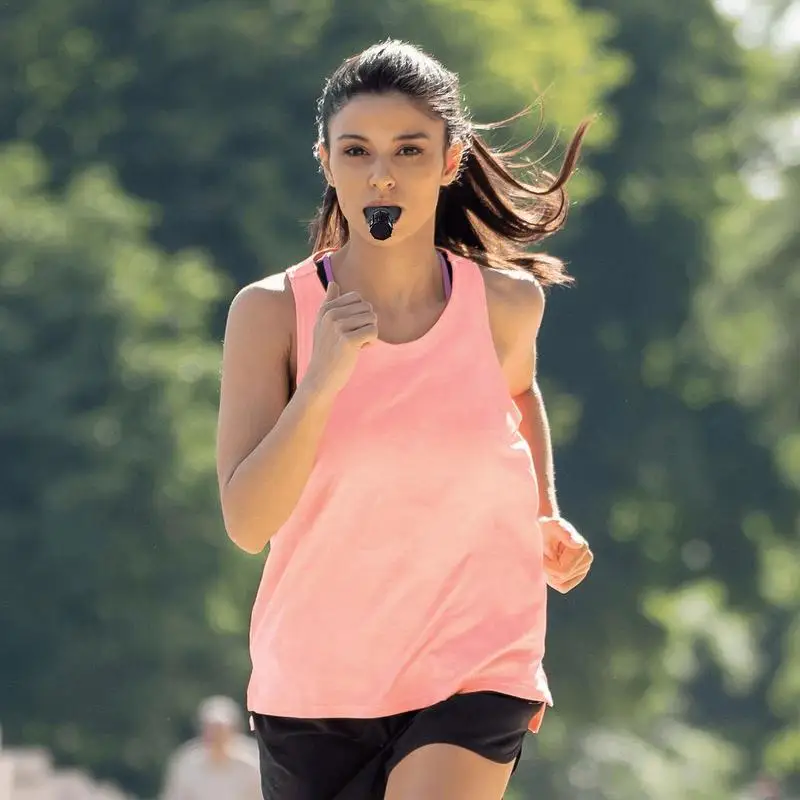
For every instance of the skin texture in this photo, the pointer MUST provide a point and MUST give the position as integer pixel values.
(381, 150)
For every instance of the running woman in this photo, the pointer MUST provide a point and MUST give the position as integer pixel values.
(382, 429)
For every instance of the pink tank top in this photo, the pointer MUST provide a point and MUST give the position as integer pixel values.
(411, 568)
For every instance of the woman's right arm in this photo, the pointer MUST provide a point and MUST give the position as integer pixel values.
(267, 443)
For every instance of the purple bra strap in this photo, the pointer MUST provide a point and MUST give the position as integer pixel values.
(448, 288)
(326, 263)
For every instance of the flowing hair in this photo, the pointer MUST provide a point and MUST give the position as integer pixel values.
(497, 207)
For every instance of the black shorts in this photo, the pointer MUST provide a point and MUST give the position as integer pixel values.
(350, 759)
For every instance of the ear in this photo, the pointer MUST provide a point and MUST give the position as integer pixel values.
(325, 162)
(452, 162)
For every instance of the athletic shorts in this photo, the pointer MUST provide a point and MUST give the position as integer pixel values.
(350, 759)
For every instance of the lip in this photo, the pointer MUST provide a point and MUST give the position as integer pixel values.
(383, 204)
(395, 213)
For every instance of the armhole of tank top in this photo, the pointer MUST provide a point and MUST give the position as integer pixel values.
(486, 337)
(301, 331)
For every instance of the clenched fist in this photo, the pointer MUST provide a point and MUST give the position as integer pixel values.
(345, 324)
(567, 557)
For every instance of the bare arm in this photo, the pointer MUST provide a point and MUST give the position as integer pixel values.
(535, 429)
(266, 444)
(516, 307)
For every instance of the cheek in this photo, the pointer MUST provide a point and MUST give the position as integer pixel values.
(341, 169)
(420, 176)
(430, 163)
(428, 176)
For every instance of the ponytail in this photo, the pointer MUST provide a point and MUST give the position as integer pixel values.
(492, 216)
(329, 229)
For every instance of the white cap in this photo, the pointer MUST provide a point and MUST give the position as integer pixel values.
(219, 710)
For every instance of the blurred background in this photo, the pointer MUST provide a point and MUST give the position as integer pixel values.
(156, 155)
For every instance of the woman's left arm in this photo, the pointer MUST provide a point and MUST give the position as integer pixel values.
(535, 429)
(516, 308)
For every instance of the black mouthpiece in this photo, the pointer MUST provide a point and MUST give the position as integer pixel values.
(381, 220)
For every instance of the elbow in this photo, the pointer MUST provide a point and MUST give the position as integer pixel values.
(245, 533)
(251, 545)
(246, 539)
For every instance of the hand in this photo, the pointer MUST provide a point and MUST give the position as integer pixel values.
(345, 324)
(567, 557)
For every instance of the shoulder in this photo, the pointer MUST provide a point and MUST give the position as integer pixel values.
(515, 300)
(244, 751)
(271, 300)
(187, 755)
(264, 307)
(271, 295)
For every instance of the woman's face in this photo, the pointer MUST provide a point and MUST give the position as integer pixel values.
(385, 150)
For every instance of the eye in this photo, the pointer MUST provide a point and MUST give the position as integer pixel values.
(355, 151)
(409, 150)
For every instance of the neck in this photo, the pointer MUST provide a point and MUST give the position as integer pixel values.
(395, 276)
(218, 751)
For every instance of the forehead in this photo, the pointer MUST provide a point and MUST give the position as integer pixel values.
(384, 115)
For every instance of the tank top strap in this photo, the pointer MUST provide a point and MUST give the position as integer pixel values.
(308, 297)
(469, 274)
(471, 318)
(472, 308)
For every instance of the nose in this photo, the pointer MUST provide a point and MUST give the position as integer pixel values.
(381, 180)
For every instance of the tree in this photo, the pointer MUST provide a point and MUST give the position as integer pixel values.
(110, 539)
(662, 471)
(745, 314)
(207, 108)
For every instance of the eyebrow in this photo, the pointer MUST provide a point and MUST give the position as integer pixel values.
(403, 137)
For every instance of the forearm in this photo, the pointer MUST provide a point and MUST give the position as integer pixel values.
(264, 489)
(536, 431)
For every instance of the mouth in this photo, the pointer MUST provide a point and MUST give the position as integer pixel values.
(394, 212)
(381, 220)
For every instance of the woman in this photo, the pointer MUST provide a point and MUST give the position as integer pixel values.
(380, 426)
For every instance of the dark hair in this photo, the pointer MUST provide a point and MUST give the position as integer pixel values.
(488, 213)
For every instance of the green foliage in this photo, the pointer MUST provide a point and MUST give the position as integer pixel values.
(670, 371)
(745, 314)
(665, 470)
(208, 108)
(110, 536)
(674, 761)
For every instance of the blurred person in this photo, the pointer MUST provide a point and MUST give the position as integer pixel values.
(381, 427)
(222, 764)
(765, 788)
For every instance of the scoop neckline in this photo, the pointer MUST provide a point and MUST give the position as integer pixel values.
(433, 333)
